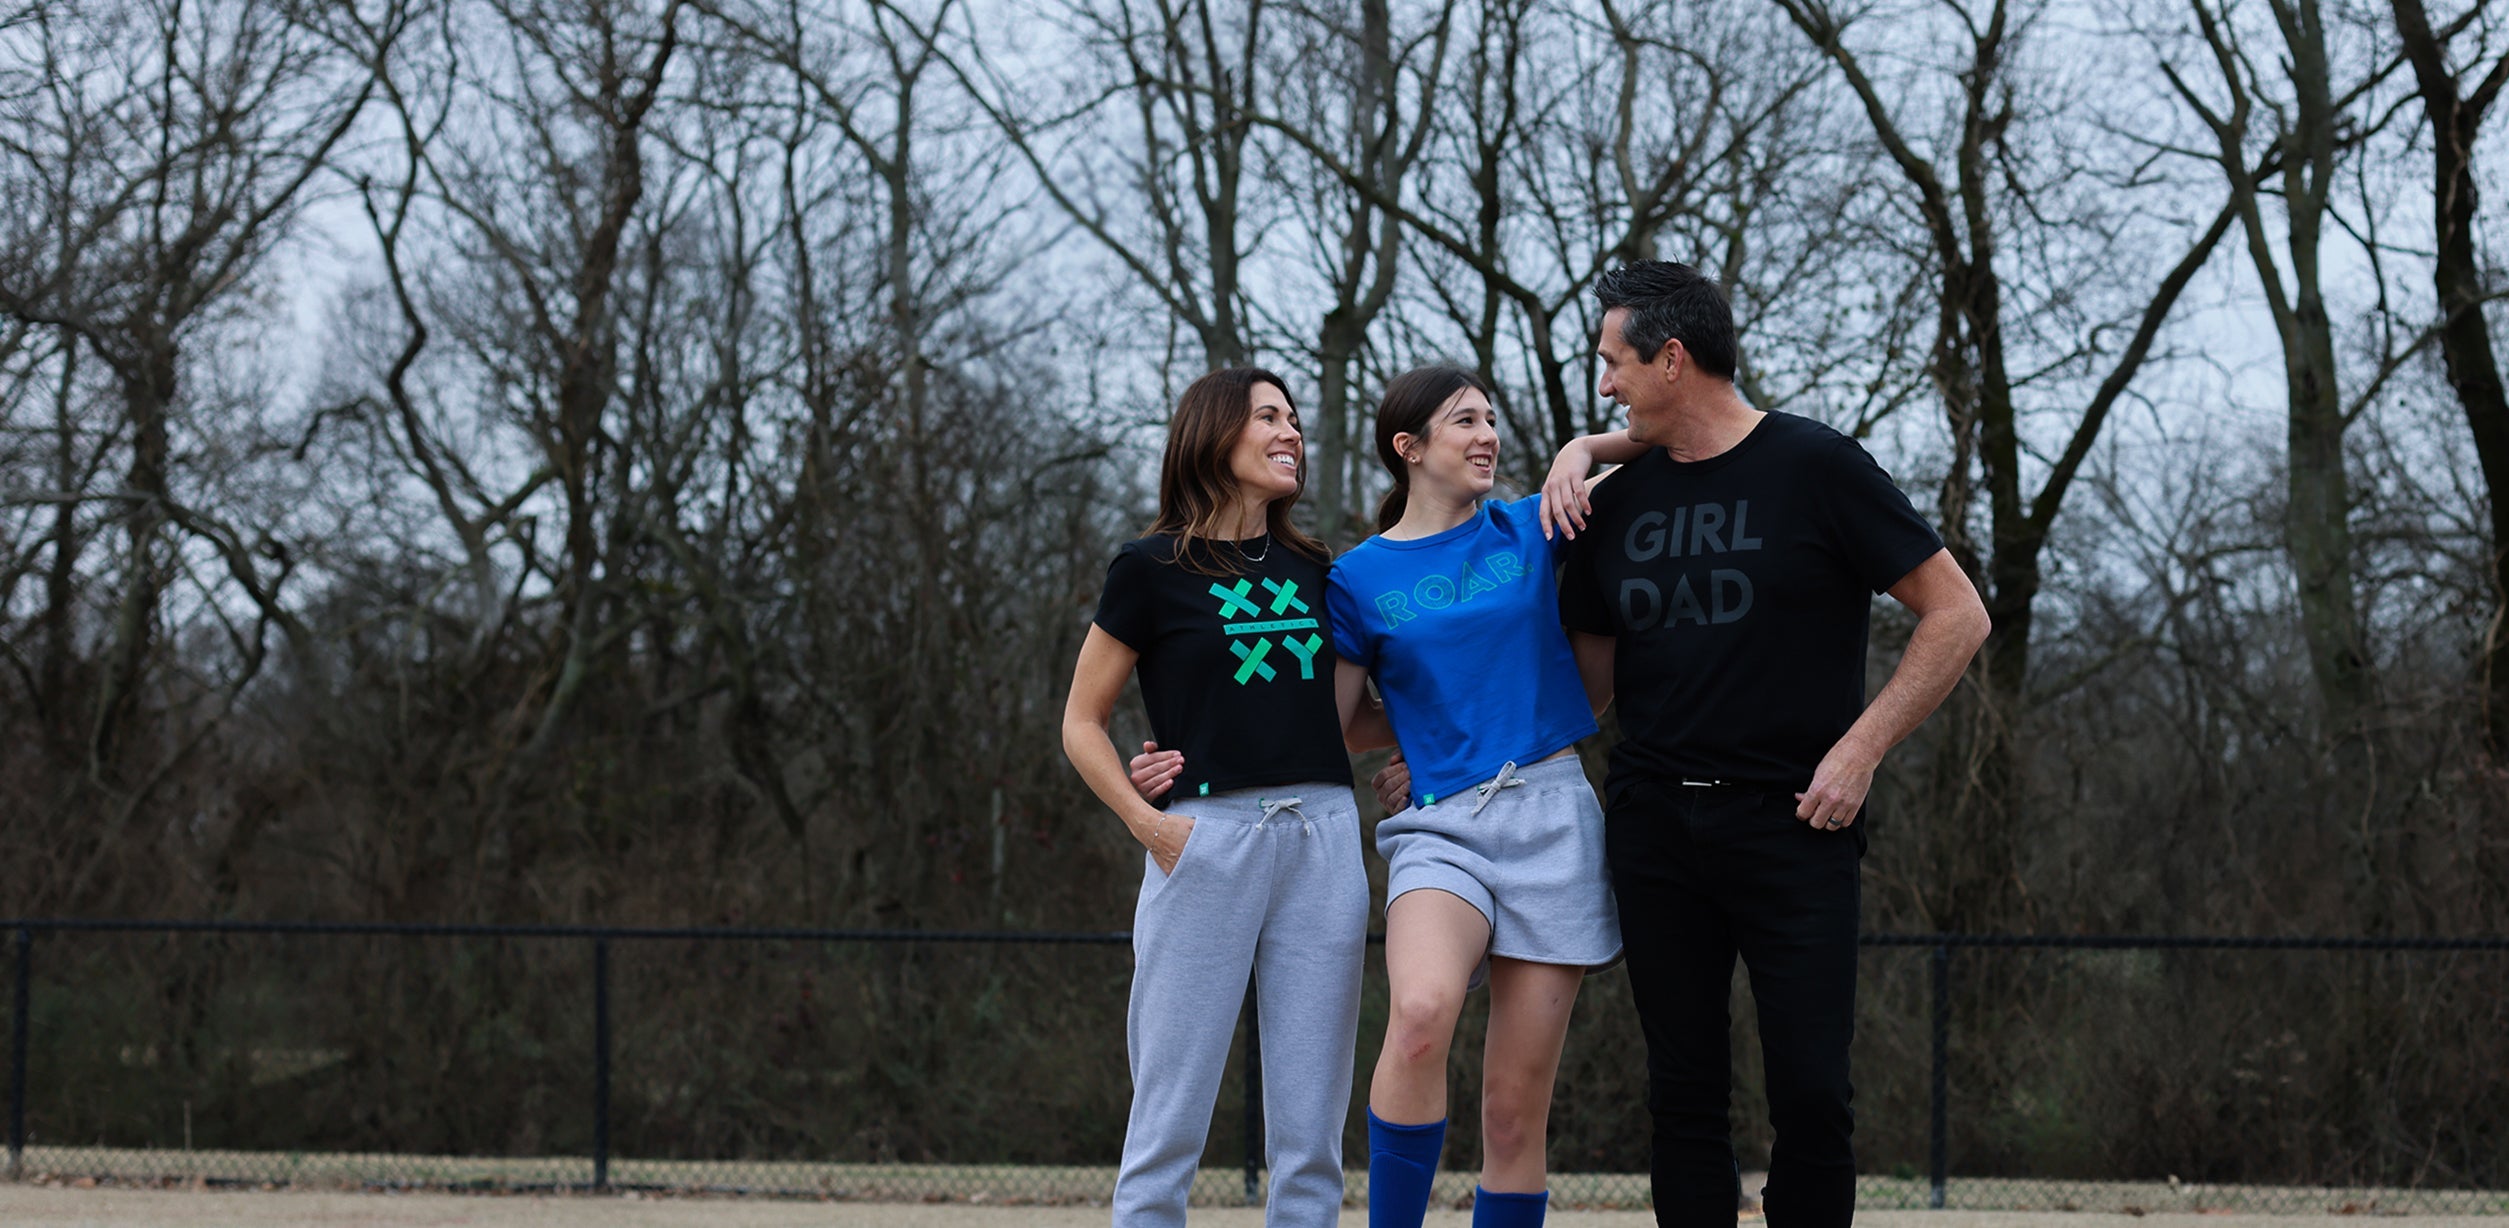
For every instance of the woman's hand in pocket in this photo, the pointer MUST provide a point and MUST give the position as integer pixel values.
(1166, 839)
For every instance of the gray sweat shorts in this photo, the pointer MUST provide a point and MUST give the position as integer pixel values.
(1530, 857)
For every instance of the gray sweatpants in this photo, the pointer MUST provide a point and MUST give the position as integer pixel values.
(1282, 894)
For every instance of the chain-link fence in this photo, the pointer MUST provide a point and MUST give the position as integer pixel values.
(1994, 1071)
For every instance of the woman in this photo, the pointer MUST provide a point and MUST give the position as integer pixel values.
(1495, 871)
(1254, 865)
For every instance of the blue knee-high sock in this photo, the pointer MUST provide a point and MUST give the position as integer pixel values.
(1491, 1210)
(1402, 1164)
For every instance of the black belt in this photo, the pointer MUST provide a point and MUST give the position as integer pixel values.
(1740, 786)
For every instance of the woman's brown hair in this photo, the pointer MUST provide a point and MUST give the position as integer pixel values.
(1412, 399)
(1197, 489)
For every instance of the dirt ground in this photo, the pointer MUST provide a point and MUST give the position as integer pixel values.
(34, 1206)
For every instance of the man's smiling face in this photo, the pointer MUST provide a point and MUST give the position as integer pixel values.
(1640, 383)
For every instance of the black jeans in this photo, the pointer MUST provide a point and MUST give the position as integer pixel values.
(1703, 875)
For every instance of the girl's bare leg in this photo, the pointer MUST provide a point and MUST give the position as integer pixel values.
(1433, 941)
(1529, 1009)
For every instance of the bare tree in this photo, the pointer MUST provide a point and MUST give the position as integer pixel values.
(1518, 214)
(1160, 187)
(1369, 91)
(237, 107)
(47, 533)
(553, 212)
(169, 148)
(1981, 370)
(477, 513)
(2455, 110)
(2298, 121)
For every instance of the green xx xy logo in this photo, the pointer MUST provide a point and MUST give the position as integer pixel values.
(1239, 599)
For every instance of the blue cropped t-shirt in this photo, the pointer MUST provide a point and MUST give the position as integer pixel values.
(1461, 631)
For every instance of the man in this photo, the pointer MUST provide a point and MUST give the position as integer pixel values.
(1727, 572)
(1733, 565)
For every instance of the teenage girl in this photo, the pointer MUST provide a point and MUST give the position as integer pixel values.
(1495, 871)
(1254, 863)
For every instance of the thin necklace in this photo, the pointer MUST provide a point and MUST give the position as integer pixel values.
(1257, 558)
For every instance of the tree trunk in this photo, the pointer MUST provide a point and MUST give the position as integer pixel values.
(1329, 438)
(589, 375)
(2317, 518)
(147, 391)
(1364, 283)
(61, 578)
(2317, 523)
(2465, 339)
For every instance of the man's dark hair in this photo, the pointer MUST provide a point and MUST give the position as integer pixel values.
(1672, 302)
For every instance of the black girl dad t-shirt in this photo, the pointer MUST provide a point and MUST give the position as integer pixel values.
(1740, 588)
(1236, 669)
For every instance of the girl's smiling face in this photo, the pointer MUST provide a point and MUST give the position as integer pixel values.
(1459, 453)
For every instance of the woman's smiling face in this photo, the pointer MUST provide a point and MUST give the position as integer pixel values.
(1270, 459)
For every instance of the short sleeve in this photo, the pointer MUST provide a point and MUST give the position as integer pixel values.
(1350, 636)
(1528, 512)
(1124, 605)
(1581, 605)
(1880, 534)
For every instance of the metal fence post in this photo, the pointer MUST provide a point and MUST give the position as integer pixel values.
(1942, 1072)
(19, 1026)
(601, 1063)
(1254, 1096)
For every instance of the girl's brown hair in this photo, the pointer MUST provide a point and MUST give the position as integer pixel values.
(1198, 491)
(1412, 399)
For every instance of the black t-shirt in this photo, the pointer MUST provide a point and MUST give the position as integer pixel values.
(1236, 670)
(1741, 587)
